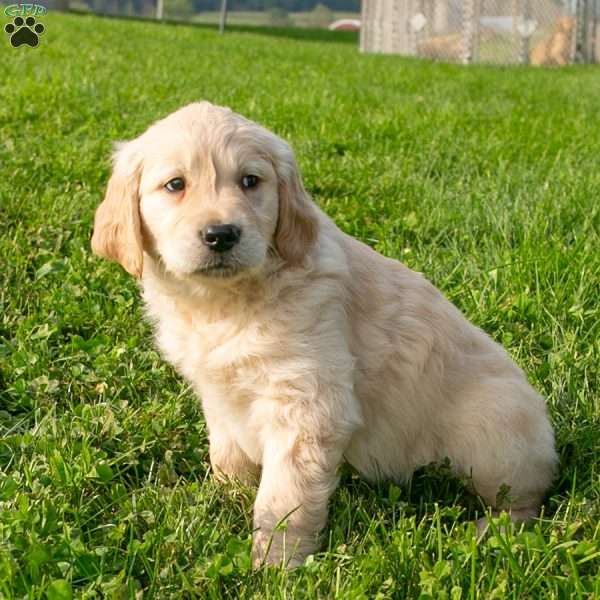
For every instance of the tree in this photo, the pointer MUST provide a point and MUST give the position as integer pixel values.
(279, 17)
(178, 8)
(320, 16)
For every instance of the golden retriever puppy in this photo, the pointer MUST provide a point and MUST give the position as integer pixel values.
(306, 347)
(556, 49)
(443, 47)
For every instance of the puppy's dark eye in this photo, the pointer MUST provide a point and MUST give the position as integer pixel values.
(249, 181)
(175, 185)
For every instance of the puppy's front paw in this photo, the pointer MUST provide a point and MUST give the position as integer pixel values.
(276, 550)
(264, 550)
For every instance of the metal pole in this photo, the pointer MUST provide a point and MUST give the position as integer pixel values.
(366, 12)
(524, 46)
(580, 32)
(595, 24)
(587, 27)
(468, 15)
(476, 31)
(223, 17)
(160, 9)
(515, 30)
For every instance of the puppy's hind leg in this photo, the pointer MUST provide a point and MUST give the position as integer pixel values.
(505, 445)
(517, 516)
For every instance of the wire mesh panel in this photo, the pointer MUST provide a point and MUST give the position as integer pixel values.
(440, 34)
(540, 32)
(553, 40)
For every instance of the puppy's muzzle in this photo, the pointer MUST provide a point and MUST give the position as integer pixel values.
(220, 238)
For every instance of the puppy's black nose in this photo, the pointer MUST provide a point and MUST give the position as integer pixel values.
(220, 237)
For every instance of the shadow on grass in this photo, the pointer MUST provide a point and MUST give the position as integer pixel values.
(430, 486)
(303, 34)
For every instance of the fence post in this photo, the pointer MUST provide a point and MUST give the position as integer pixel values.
(585, 23)
(160, 9)
(595, 37)
(223, 17)
(471, 22)
(515, 6)
(524, 42)
(364, 24)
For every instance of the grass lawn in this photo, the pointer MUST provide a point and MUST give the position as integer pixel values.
(261, 17)
(485, 179)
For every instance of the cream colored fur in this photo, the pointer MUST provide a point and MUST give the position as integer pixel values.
(307, 348)
(556, 49)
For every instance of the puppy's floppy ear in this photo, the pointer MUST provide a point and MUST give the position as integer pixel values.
(297, 224)
(117, 227)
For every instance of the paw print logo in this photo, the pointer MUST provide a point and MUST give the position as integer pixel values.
(24, 32)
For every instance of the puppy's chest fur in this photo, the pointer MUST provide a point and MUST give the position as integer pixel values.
(248, 364)
(215, 352)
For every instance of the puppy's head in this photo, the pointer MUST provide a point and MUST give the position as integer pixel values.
(207, 193)
(565, 24)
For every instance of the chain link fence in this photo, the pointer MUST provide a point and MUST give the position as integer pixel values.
(539, 32)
